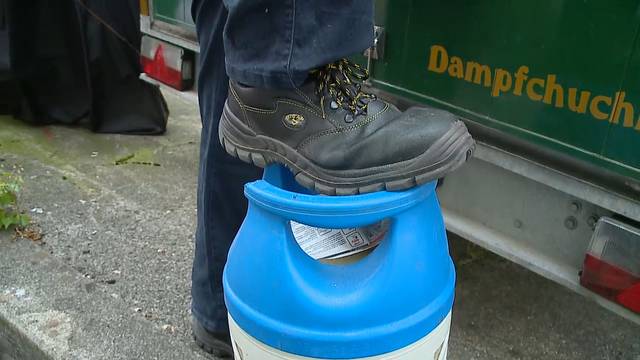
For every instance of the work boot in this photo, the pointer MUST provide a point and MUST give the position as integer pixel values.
(217, 344)
(339, 140)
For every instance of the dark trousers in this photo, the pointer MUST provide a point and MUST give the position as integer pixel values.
(267, 43)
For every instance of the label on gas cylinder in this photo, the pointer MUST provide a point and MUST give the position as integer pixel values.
(322, 243)
(432, 346)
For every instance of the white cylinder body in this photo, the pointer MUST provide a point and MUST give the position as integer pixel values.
(432, 346)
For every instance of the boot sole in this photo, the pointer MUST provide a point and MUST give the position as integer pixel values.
(208, 349)
(215, 347)
(447, 154)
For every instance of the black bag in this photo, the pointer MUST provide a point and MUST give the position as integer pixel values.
(78, 59)
(5, 65)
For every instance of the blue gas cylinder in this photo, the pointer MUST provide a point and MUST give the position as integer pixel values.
(395, 303)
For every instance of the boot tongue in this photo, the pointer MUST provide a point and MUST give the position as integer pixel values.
(308, 88)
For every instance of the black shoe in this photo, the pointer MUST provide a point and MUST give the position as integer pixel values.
(339, 140)
(217, 344)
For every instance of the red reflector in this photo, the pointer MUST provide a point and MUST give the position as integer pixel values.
(630, 298)
(611, 282)
(158, 69)
(612, 263)
(166, 63)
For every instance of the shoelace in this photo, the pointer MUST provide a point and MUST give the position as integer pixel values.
(343, 80)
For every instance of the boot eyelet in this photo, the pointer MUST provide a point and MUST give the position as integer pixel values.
(348, 118)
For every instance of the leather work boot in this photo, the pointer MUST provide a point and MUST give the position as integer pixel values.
(338, 139)
(217, 344)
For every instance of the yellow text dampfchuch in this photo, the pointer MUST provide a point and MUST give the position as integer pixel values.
(614, 109)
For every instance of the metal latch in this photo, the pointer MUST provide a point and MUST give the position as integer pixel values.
(376, 52)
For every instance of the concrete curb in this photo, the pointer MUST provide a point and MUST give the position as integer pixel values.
(50, 311)
(14, 344)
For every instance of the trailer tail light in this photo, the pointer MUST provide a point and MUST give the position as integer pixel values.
(612, 263)
(167, 63)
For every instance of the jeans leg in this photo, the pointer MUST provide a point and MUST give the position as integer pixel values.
(275, 43)
(221, 201)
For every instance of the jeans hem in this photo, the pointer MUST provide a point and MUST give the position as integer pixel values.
(269, 80)
(211, 326)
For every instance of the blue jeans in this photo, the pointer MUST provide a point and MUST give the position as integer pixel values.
(268, 43)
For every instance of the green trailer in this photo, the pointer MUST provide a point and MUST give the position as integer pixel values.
(558, 74)
(169, 20)
(548, 88)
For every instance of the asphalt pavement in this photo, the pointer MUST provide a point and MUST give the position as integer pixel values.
(127, 230)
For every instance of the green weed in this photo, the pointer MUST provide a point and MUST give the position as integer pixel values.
(10, 215)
